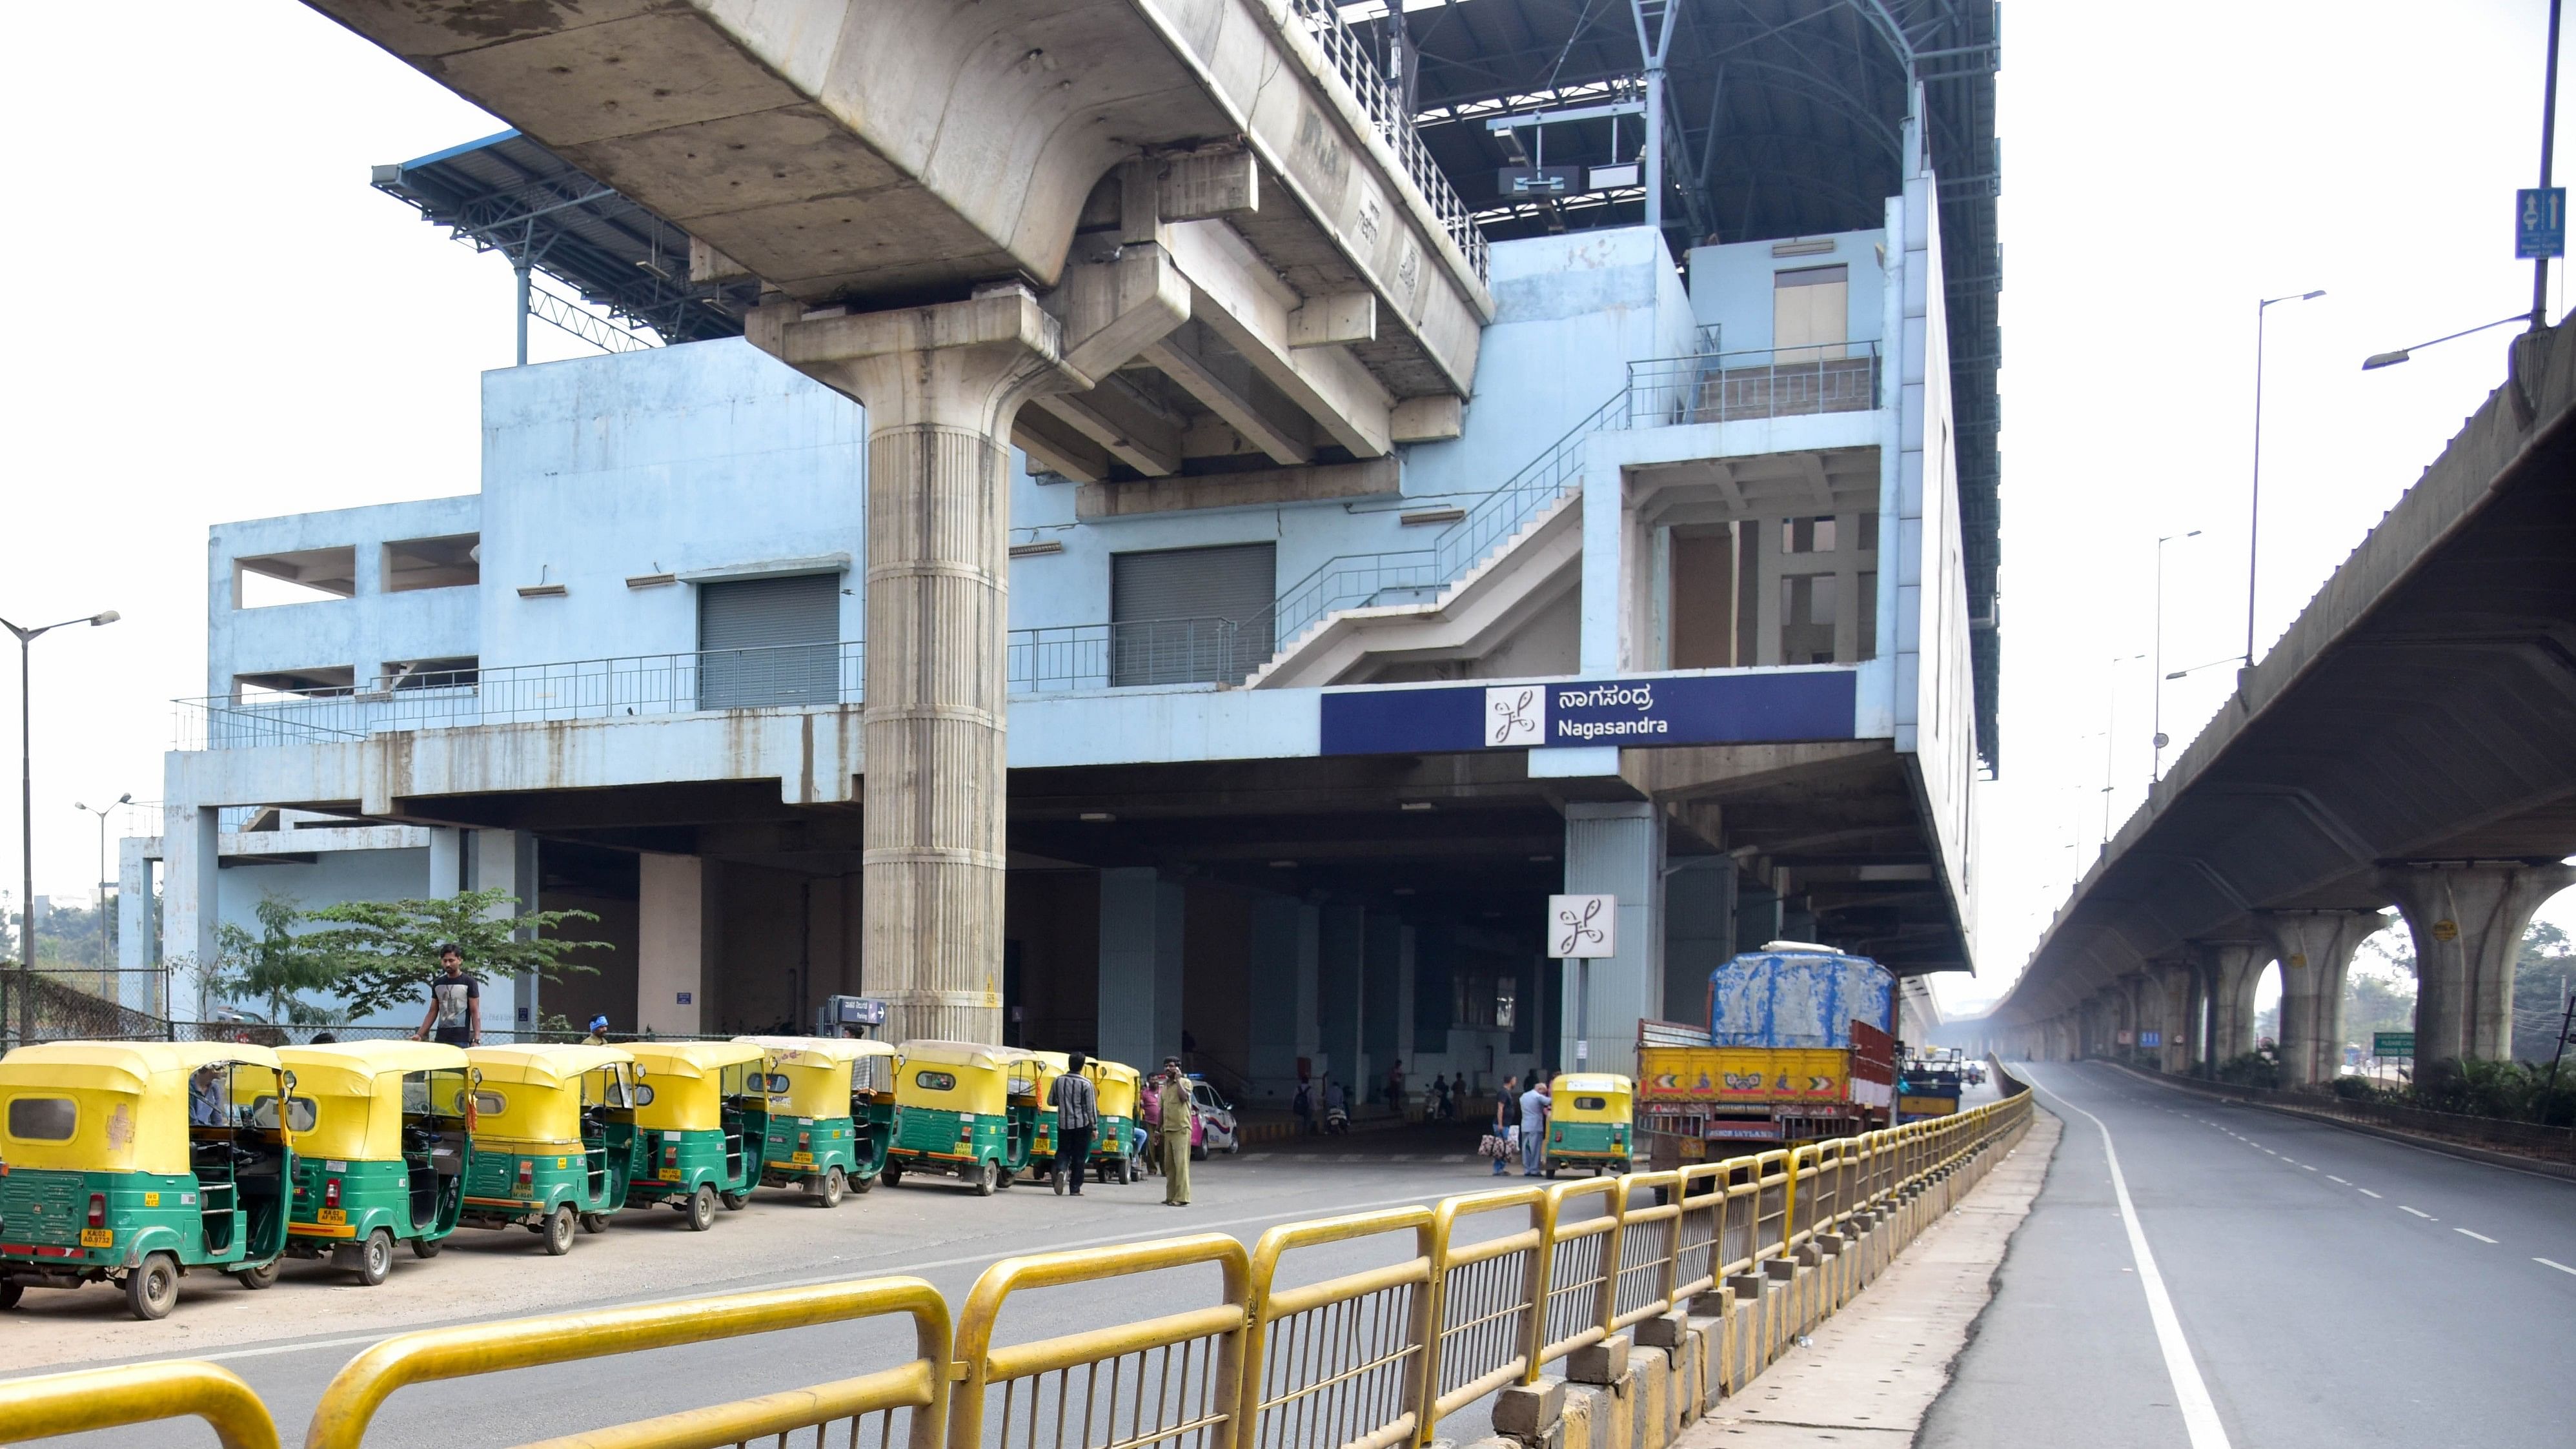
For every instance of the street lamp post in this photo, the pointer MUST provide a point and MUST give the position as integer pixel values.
(2110, 734)
(125, 799)
(27, 818)
(2156, 768)
(2548, 136)
(2254, 505)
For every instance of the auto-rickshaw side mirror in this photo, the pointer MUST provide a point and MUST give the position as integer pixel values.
(286, 1083)
(643, 1096)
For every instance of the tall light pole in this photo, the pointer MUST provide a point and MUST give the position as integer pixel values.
(2548, 136)
(125, 799)
(27, 819)
(2156, 769)
(2111, 733)
(2254, 506)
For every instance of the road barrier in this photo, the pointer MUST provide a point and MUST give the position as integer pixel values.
(1694, 1278)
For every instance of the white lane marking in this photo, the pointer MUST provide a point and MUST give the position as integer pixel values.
(2419, 1212)
(2330, 1177)
(2191, 1395)
(2549, 1263)
(2365, 1192)
(2303, 1167)
(2481, 1237)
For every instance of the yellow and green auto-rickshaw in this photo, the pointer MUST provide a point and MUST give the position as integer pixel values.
(829, 1117)
(554, 1138)
(963, 1108)
(135, 1162)
(1118, 1143)
(382, 1160)
(702, 1139)
(1591, 1122)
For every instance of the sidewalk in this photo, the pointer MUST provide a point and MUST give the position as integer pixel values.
(1872, 1370)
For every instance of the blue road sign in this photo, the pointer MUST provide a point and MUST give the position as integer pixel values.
(2540, 222)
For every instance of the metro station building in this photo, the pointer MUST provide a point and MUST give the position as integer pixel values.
(1689, 601)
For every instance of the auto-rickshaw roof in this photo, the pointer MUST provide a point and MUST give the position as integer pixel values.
(83, 1063)
(829, 1048)
(549, 1064)
(1101, 1067)
(963, 1053)
(694, 1058)
(1596, 1082)
(350, 1068)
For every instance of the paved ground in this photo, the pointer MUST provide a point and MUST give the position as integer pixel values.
(2325, 1286)
(289, 1340)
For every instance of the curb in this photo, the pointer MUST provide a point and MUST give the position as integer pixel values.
(2539, 1166)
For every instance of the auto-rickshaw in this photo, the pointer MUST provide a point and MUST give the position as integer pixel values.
(963, 1108)
(134, 1162)
(1118, 1144)
(382, 1160)
(554, 1138)
(1591, 1122)
(700, 1141)
(829, 1117)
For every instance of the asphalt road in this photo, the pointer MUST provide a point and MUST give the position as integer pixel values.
(2328, 1287)
(289, 1340)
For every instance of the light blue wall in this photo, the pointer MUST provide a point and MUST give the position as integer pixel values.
(363, 632)
(332, 877)
(1730, 286)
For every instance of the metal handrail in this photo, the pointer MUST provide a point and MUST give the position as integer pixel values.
(143, 1393)
(1379, 101)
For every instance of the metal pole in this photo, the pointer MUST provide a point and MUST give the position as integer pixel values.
(522, 268)
(104, 964)
(26, 850)
(2156, 714)
(2254, 509)
(1582, 1012)
(2548, 139)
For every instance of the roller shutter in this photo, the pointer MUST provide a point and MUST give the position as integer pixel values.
(1191, 615)
(769, 642)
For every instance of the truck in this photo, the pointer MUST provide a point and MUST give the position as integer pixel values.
(1799, 1046)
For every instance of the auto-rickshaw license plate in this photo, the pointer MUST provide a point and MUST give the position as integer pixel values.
(802, 1158)
(333, 1217)
(98, 1237)
(668, 1174)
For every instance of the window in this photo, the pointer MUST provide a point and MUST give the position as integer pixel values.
(1592, 1104)
(935, 1081)
(305, 576)
(1869, 532)
(1868, 609)
(767, 643)
(1807, 619)
(42, 1119)
(301, 1114)
(458, 671)
(489, 1103)
(433, 563)
(325, 679)
(1810, 313)
(1810, 535)
(1191, 615)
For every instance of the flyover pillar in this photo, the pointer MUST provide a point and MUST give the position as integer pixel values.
(2173, 996)
(942, 384)
(2315, 949)
(2234, 969)
(2467, 920)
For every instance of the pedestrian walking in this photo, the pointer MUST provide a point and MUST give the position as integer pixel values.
(1437, 1108)
(1304, 1107)
(1507, 1106)
(1151, 1110)
(1395, 1087)
(1177, 1110)
(1457, 1094)
(1077, 1112)
(1534, 1105)
(455, 1003)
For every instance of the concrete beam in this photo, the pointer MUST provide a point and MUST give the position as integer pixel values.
(1237, 294)
(1433, 419)
(1376, 478)
(1227, 384)
(1330, 320)
(1112, 416)
(1055, 446)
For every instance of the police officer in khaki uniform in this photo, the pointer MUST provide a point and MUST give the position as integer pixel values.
(1172, 1096)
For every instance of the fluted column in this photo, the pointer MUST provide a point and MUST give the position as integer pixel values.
(2467, 920)
(2315, 950)
(2234, 968)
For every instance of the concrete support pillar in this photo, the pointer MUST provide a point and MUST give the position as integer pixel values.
(446, 863)
(190, 907)
(1699, 932)
(1615, 848)
(2234, 967)
(506, 861)
(135, 955)
(2172, 990)
(1339, 982)
(2467, 921)
(1757, 916)
(1282, 993)
(1382, 969)
(670, 952)
(1141, 918)
(942, 385)
(2315, 949)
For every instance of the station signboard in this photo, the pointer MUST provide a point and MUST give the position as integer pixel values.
(1648, 712)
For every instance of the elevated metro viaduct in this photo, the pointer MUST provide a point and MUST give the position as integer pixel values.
(2406, 743)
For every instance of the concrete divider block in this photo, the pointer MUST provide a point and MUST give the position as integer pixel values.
(1528, 1411)
(1605, 1362)
(1654, 1406)
(1595, 1418)
(1699, 1355)
(1665, 1331)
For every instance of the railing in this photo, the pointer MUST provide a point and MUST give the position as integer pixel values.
(1372, 1359)
(1071, 657)
(1359, 69)
(1728, 387)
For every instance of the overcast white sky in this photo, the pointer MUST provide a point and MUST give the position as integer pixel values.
(220, 320)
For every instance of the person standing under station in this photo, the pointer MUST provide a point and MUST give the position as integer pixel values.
(1077, 1112)
(1534, 1105)
(1172, 1096)
(1507, 1102)
(455, 1003)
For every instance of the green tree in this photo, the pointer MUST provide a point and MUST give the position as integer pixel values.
(2541, 981)
(387, 951)
(277, 966)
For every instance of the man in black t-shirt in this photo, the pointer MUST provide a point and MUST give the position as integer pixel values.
(455, 1014)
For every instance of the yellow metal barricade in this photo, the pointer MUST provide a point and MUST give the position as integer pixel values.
(116, 1398)
(1772, 1204)
(1483, 1299)
(1338, 1362)
(1170, 1380)
(350, 1403)
(1582, 1268)
(1699, 1230)
(1644, 1285)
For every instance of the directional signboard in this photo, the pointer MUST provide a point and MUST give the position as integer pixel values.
(2540, 222)
(2392, 1044)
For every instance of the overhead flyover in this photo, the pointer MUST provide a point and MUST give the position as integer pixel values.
(2407, 743)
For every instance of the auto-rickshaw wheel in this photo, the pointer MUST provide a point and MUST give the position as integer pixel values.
(702, 1208)
(1551, 1169)
(152, 1289)
(831, 1186)
(10, 1293)
(258, 1277)
(376, 1258)
(559, 1230)
(427, 1247)
(594, 1222)
(987, 1177)
(733, 1201)
(862, 1183)
(891, 1174)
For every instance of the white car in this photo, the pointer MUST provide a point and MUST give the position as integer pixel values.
(1216, 1121)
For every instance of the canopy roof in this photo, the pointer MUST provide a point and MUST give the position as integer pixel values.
(545, 1066)
(695, 1058)
(351, 1068)
(137, 1062)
